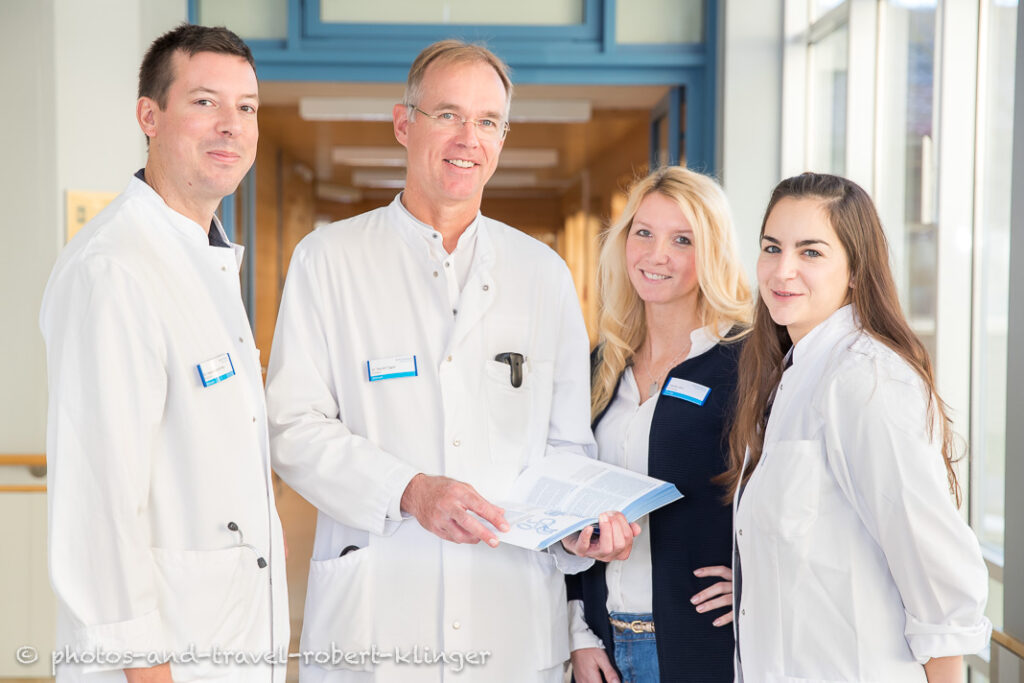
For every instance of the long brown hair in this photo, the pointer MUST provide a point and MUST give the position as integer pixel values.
(852, 215)
(723, 295)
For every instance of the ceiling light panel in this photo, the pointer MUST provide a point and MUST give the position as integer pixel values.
(394, 157)
(379, 109)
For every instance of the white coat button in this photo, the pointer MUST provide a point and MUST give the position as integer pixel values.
(449, 359)
(456, 443)
(241, 341)
(447, 264)
(435, 235)
(743, 612)
(486, 287)
(435, 273)
(456, 625)
(740, 532)
(254, 418)
(224, 268)
(455, 311)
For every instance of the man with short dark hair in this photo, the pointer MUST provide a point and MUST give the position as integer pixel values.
(424, 355)
(166, 551)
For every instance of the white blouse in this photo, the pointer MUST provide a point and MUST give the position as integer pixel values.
(623, 437)
(856, 566)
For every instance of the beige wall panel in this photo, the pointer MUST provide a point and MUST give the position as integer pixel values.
(285, 212)
(298, 210)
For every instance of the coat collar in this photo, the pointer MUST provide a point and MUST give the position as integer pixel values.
(186, 228)
(419, 235)
(823, 338)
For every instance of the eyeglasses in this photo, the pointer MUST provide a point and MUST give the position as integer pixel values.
(491, 129)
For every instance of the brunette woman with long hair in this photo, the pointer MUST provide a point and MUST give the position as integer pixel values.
(674, 301)
(853, 563)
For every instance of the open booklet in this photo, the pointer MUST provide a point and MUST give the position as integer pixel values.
(565, 492)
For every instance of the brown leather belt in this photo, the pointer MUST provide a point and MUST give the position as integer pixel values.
(636, 626)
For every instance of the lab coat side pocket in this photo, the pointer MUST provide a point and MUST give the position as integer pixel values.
(338, 616)
(209, 599)
(781, 678)
(508, 415)
(790, 477)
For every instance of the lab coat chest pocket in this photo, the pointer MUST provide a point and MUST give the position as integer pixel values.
(790, 483)
(209, 599)
(339, 615)
(513, 412)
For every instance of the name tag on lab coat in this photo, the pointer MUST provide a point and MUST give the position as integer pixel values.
(390, 368)
(216, 369)
(687, 390)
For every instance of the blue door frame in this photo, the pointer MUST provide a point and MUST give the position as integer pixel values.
(582, 54)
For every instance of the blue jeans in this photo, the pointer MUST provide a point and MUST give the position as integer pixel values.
(636, 654)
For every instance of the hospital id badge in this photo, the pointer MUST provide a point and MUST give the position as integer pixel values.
(687, 390)
(216, 369)
(391, 368)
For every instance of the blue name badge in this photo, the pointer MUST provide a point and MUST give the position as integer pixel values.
(216, 370)
(686, 390)
(390, 368)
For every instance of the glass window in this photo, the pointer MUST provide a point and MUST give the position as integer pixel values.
(466, 12)
(250, 19)
(992, 217)
(826, 130)
(822, 7)
(907, 182)
(659, 21)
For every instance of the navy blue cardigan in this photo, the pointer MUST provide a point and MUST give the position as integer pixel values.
(687, 447)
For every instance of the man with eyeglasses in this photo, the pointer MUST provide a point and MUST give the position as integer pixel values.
(424, 355)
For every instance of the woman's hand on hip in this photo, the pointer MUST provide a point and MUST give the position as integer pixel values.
(717, 595)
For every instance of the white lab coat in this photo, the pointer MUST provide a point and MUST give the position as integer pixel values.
(146, 466)
(856, 566)
(370, 288)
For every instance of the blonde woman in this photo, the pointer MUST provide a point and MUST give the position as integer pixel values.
(674, 302)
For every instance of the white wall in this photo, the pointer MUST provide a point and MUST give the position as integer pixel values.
(69, 79)
(27, 182)
(751, 106)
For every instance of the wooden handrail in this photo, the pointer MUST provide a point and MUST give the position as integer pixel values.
(1008, 642)
(23, 460)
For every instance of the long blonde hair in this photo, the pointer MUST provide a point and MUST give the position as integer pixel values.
(852, 215)
(723, 294)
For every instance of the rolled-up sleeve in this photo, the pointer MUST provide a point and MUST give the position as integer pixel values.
(880, 447)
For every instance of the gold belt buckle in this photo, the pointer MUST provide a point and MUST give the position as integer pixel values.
(636, 626)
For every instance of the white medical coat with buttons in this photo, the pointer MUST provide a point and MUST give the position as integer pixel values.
(856, 566)
(146, 466)
(366, 289)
